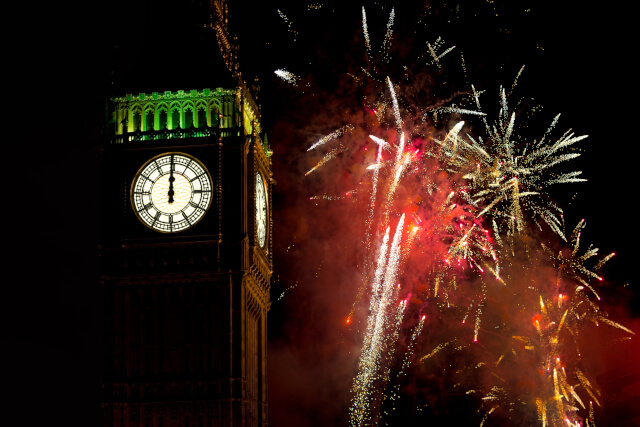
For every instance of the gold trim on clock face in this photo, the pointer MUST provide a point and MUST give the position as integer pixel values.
(171, 192)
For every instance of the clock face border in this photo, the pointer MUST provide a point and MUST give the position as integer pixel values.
(201, 207)
(261, 234)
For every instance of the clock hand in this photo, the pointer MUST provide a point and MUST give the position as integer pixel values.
(171, 179)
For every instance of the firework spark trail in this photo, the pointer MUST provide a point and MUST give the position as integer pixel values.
(333, 135)
(365, 376)
(387, 37)
(334, 152)
(396, 108)
(377, 334)
(572, 267)
(433, 54)
(381, 142)
(389, 284)
(399, 168)
(367, 40)
(368, 233)
(367, 372)
(452, 110)
(515, 81)
(433, 48)
(392, 338)
(287, 76)
(437, 349)
(327, 157)
(287, 21)
(376, 287)
(406, 362)
(409, 353)
(402, 158)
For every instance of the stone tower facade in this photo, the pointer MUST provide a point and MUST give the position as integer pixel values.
(186, 252)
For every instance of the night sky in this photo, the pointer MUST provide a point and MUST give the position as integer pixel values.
(579, 62)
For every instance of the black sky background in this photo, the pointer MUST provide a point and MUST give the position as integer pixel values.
(59, 59)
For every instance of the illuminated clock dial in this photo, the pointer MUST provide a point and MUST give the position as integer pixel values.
(171, 192)
(261, 211)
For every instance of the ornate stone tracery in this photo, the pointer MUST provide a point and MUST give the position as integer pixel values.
(134, 110)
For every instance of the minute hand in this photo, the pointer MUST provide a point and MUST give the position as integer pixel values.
(171, 179)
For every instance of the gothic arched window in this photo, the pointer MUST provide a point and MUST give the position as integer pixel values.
(175, 118)
(188, 116)
(149, 118)
(162, 117)
(136, 120)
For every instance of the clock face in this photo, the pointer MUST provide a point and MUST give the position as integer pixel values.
(261, 210)
(171, 192)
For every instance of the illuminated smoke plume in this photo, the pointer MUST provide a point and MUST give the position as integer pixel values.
(452, 215)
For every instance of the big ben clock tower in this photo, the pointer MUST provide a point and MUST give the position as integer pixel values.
(186, 251)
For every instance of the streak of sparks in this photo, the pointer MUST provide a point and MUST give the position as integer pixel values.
(330, 155)
(367, 40)
(333, 135)
(287, 76)
(289, 24)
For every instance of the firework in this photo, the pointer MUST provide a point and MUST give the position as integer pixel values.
(287, 76)
(451, 217)
(572, 266)
(542, 328)
(287, 21)
(505, 173)
(380, 327)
